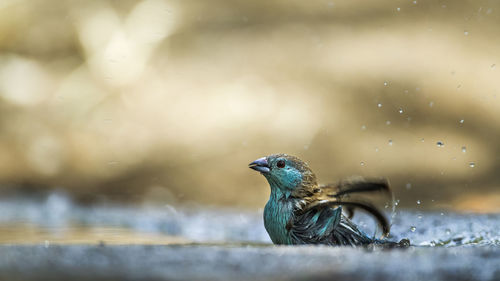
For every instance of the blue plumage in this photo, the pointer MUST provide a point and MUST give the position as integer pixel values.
(300, 211)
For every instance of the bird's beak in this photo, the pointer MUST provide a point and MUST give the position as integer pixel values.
(260, 165)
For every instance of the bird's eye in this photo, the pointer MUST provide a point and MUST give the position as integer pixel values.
(280, 164)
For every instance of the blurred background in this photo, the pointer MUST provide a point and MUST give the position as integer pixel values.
(164, 103)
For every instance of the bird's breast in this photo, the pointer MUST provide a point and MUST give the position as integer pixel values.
(277, 214)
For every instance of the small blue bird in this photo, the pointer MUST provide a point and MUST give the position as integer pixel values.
(300, 211)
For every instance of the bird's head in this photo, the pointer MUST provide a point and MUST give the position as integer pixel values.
(285, 172)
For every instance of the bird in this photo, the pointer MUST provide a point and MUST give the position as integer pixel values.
(300, 211)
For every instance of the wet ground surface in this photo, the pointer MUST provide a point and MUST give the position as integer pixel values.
(54, 239)
(229, 262)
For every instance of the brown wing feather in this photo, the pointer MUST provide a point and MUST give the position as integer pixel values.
(356, 186)
(379, 216)
(361, 187)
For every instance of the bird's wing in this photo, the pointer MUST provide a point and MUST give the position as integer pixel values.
(314, 225)
(346, 188)
(328, 204)
(343, 188)
(323, 223)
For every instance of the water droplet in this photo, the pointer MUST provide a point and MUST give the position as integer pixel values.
(362, 163)
(388, 122)
(379, 105)
(431, 104)
(408, 186)
(464, 149)
(412, 229)
(466, 33)
(390, 142)
(418, 202)
(442, 214)
(400, 111)
(462, 121)
(396, 202)
(472, 164)
(420, 217)
(385, 83)
(440, 144)
(363, 127)
(415, 2)
(398, 9)
(447, 231)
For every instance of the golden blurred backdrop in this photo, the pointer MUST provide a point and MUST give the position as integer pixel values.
(168, 101)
